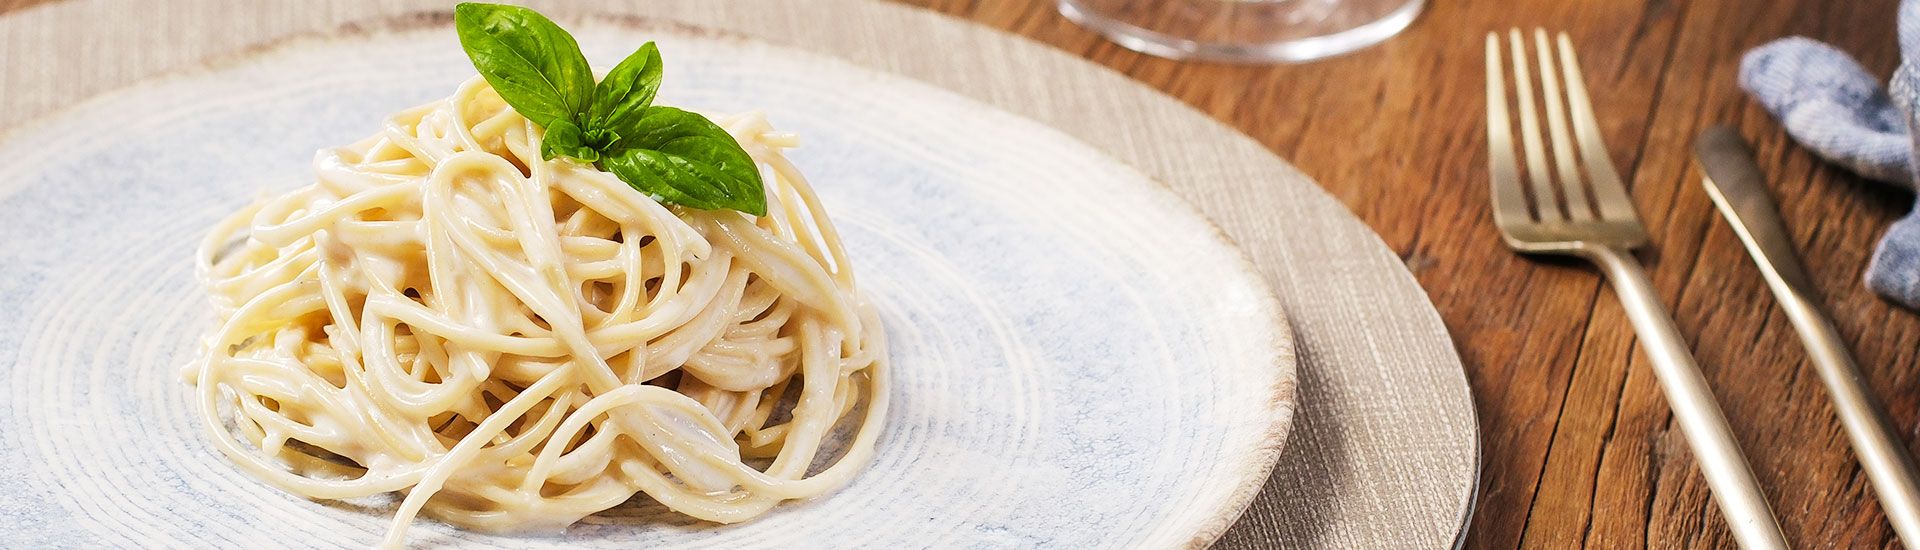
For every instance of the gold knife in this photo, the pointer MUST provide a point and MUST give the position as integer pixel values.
(1733, 180)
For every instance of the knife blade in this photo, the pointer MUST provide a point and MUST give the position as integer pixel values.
(1733, 180)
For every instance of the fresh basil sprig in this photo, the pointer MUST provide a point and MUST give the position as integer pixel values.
(676, 156)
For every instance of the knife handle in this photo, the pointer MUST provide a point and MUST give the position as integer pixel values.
(1882, 453)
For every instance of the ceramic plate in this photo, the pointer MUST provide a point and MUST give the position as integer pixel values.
(1082, 359)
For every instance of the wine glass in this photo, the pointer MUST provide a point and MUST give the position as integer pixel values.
(1253, 31)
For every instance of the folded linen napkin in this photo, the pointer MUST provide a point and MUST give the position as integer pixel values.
(1834, 107)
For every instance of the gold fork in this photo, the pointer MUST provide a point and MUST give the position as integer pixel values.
(1588, 215)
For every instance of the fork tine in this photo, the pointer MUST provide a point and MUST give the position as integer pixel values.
(1509, 199)
(1543, 194)
(1608, 192)
(1563, 159)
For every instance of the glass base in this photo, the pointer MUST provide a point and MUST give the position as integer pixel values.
(1279, 37)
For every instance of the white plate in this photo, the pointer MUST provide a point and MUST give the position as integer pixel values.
(1082, 359)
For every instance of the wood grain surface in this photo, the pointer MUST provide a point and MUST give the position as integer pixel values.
(1579, 447)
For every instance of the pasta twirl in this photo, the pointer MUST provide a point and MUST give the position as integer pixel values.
(517, 343)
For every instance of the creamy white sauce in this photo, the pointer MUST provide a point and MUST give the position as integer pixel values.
(519, 349)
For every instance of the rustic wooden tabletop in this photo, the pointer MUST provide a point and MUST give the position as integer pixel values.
(1579, 446)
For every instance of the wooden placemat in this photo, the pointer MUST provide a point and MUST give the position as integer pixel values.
(1384, 450)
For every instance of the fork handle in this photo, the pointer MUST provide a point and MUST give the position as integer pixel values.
(1731, 480)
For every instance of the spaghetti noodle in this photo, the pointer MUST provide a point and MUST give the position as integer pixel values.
(517, 343)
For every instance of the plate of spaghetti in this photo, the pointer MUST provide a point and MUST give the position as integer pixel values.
(483, 278)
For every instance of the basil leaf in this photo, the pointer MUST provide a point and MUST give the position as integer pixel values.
(533, 63)
(683, 158)
(564, 139)
(600, 138)
(633, 170)
(623, 96)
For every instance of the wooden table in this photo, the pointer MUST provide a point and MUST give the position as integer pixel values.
(1579, 446)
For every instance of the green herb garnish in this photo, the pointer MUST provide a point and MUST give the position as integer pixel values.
(676, 156)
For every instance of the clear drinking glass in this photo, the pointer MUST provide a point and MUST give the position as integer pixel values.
(1244, 30)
